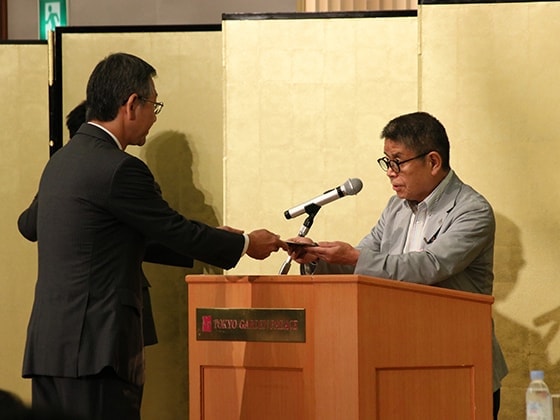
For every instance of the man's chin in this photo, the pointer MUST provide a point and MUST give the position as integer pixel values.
(141, 142)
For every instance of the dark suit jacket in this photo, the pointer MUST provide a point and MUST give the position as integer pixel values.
(155, 253)
(96, 208)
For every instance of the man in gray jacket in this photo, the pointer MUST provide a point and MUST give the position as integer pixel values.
(435, 230)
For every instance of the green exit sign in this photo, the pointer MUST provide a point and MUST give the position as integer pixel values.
(52, 13)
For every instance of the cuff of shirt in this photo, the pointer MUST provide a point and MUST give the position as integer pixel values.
(246, 246)
(308, 269)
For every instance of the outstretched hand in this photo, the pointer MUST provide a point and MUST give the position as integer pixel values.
(263, 242)
(335, 252)
(298, 247)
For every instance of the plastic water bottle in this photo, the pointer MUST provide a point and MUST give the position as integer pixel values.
(537, 398)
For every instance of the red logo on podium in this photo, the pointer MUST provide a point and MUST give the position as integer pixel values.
(207, 323)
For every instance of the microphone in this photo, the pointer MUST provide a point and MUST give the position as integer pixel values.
(351, 187)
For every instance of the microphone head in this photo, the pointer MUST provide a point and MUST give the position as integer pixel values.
(352, 186)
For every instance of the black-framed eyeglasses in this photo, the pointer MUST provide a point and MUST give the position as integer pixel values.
(385, 163)
(157, 105)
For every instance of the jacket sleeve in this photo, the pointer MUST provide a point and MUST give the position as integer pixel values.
(466, 235)
(27, 221)
(134, 199)
(160, 254)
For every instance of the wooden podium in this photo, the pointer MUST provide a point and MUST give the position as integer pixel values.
(372, 349)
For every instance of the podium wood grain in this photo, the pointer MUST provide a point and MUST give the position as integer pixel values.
(375, 349)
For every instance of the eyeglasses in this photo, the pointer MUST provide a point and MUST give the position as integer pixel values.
(157, 105)
(385, 163)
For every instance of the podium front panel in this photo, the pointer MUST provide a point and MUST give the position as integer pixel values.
(233, 393)
(424, 393)
(374, 349)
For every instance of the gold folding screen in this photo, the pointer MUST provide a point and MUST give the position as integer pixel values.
(184, 152)
(264, 114)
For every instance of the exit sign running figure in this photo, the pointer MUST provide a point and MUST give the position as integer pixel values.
(52, 13)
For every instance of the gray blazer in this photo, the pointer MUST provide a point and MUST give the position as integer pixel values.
(458, 248)
(97, 207)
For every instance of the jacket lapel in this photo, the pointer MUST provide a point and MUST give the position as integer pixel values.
(401, 221)
(444, 205)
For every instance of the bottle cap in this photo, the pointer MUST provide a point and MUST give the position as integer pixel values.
(537, 375)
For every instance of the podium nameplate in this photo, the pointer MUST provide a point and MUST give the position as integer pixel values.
(251, 324)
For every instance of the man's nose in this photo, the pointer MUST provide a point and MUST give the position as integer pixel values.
(391, 173)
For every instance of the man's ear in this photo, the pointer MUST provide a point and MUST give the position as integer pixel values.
(435, 160)
(131, 105)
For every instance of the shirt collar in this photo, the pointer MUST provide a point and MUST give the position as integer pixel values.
(431, 200)
(108, 132)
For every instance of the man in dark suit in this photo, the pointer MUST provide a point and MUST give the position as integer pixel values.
(159, 255)
(76, 118)
(97, 208)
